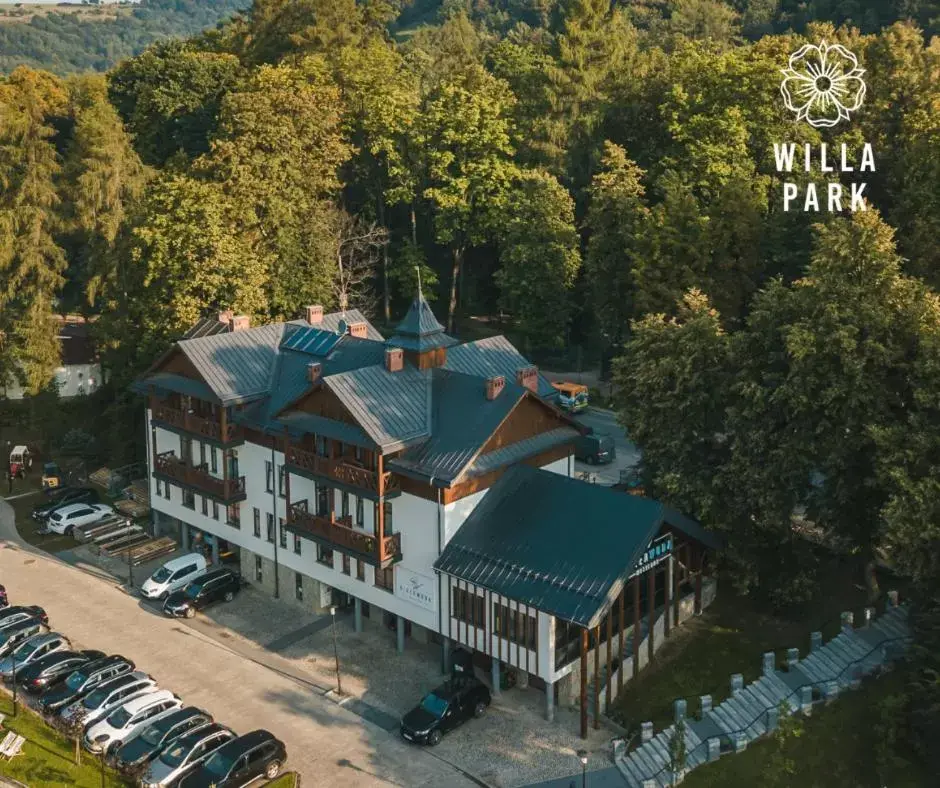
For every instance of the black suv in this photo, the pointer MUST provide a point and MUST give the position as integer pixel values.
(17, 613)
(445, 708)
(146, 746)
(63, 497)
(214, 586)
(53, 668)
(84, 680)
(239, 762)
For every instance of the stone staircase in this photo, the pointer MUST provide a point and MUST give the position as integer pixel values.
(753, 711)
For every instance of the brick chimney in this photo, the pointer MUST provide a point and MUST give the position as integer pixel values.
(314, 314)
(226, 316)
(241, 323)
(314, 370)
(394, 359)
(495, 386)
(528, 377)
(358, 330)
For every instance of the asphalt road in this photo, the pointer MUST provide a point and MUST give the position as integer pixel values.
(605, 421)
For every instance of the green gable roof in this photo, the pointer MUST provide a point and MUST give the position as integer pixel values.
(419, 330)
(560, 545)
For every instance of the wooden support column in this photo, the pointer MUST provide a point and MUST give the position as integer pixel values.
(667, 588)
(597, 677)
(623, 599)
(699, 566)
(636, 626)
(584, 650)
(223, 422)
(651, 611)
(286, 476)
(610, 637)
(380, 512)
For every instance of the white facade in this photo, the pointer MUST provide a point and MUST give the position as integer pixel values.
(418, 594)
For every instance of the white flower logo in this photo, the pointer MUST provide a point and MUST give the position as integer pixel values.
(823, 84)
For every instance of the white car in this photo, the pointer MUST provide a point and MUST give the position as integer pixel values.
(64, 520)
(174, 575)
(130, 719)
(183, 754)
(107, 696)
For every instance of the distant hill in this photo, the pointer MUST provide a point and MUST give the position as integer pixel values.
(67, 38)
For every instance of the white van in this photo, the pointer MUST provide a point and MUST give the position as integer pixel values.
(173, 575)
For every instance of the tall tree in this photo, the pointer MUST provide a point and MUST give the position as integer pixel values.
(539, 258)
(31, 262)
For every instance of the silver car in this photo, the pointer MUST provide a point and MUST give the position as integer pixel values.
(30, 650)
(108, 696)
(183, 754)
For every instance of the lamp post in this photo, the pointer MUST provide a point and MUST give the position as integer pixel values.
(13, 659)
(339, 686)
(583, 757)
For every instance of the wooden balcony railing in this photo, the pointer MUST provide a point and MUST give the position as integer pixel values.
(340, 533)
(343, 471)
(197, 425)
(198, 477)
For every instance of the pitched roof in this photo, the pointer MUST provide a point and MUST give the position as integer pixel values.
(419, 330)
(534, 538)
(493, 356)
(332, 321)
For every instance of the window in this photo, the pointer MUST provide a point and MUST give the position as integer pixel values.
(514, 625)
(360, 570)
(360, 512)
(323, 448)
(189, 500)
(296, 544)
(233, 515)
(202, 454)
(282, 534)
(166, 490)
(344, 504)
(468, 607)
(282, 481)
(345, 564)
(324, 555)
(299, 586)
(215, 510)
(389, 529)
(269, 523)
(159, 488)
(257, 523)
(385, 579)
(258, 574)
(268, 476)
(357, 453)
(324, 494)
(214, 460)
(205, 506)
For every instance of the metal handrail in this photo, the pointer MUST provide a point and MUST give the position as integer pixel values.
(667, 767)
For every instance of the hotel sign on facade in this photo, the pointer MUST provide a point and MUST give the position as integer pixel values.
(416, 588)
(658, 551)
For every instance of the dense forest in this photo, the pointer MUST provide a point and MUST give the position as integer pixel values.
(64, 42)
(587, 174)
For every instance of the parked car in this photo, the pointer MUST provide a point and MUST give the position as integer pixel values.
(126, 721)
(52, 668)
(239, 762)
(31, 650)
(213, 586)
(65, 519)
(107, 696)
(444, 709)
(174, 575)
(184, 754)
(17, 613)
(13, 635)
(84, 680)
(151, 741)
(595, 448)
(63, 496)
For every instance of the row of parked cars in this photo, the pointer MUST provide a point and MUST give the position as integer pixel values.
(124, 715)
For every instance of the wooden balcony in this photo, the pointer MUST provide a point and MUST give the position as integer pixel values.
(168, 465)
(343, 471)
(185, 421)
(340, 534)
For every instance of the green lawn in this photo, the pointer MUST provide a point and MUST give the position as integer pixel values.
(730, 637)
(46, 758)
(288, 780)
(836, 748)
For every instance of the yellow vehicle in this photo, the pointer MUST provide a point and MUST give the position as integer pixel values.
(572, 397)
(51, 476)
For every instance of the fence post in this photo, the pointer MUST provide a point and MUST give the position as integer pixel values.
(706, 701)
(848, 621)
(793, 656)
(773, 719)
(806, 700)
(737, 683)
(815, 641)
(767, 666)
(679, 709)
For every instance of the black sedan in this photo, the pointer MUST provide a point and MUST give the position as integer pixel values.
(150, 743)
(53, 668)
(63, 497)
(442, 710)
(216, 585)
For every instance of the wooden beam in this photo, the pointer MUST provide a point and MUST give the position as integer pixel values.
(597, 677)
(584, 650)
(623, 599)
(610, 637)
(651, 611)
(636, 626)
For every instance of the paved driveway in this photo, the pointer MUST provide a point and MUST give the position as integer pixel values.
(327, 744)
(628, 454)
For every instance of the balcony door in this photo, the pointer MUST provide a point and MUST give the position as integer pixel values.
(186, 450)
(323, 500)
(232, 462)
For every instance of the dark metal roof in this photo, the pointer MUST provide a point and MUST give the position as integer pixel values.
(207, 327)
(312, 341)
(420, 331)
(521, 450)
(162, 383)
(493, 356)
(560, 545)
(331, 323)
